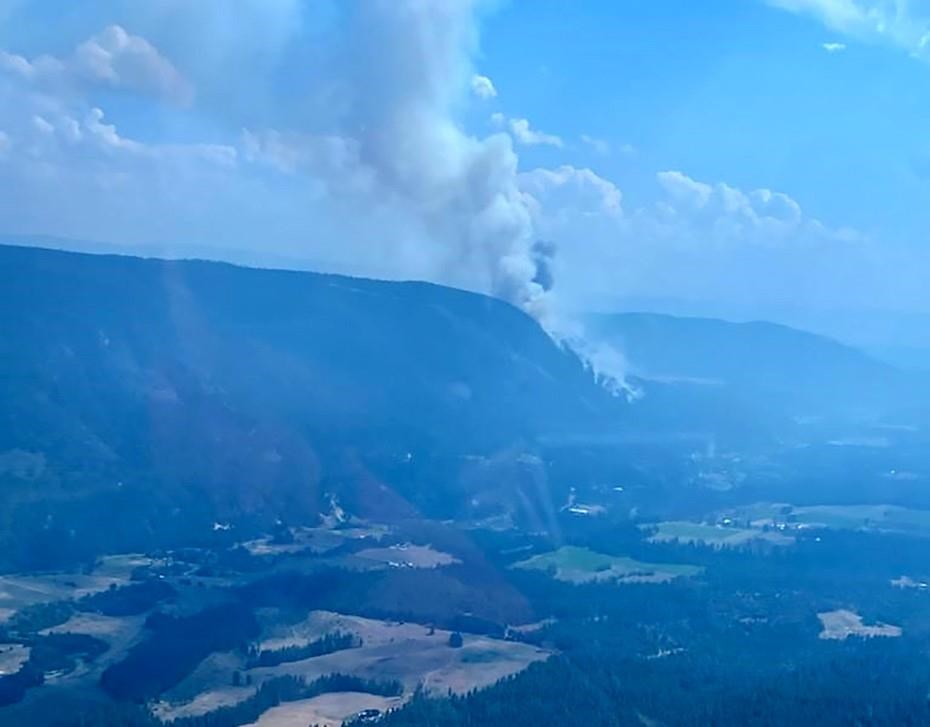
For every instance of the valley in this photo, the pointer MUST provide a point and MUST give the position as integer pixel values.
(300, 519)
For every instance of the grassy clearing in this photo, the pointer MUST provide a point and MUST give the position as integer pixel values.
(717, 536)
(313, 540)
(841, 624)
(17, 591)
(581, 565)
(408, 556)
(882, 518)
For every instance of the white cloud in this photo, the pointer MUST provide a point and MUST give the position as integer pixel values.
(482, 87)
(525, 134)
(897, 22)
(116, 58)
(692, 240)
(834, 47)
(40, 68)
(573, 189)
(695, 212)
(112, 58)
(375, 131)
(358, 162)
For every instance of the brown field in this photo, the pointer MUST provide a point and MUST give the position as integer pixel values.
(119, 632)
(327, 710)
(19, 591)
(12, 657)
(405, 652)
(207, 701)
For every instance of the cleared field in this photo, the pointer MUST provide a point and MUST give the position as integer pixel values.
(122, 565)
(19, 591)
(207, 701)
(12, 657)
(209, 686)
(119, 633)
(327, 710)
(314, 540)
(581, 565)
(884, 518)
(412, 654)
(406, 652)
(841, 624)
(717, 536)
(408, 556)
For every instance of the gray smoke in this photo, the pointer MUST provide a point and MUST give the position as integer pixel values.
(543, 256)
(410, 75)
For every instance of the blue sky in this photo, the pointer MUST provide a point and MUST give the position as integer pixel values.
(729, 90)
(748, 157)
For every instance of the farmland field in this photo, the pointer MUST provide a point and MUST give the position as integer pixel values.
(841, 624)
(326, 710)
(581, 565)
(412, 654)
(884, 518)
(408, 555)
(714, 535)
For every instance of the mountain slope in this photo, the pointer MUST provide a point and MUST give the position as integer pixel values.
(779, 368)
(157, 396)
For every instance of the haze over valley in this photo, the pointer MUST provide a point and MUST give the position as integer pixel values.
(452, 362)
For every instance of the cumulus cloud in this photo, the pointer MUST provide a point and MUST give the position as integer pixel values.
(122, 60)
(375, 129)
(352, 155)
(113, 58)
(571, 188)
(526, 134)
(834, 47)
(68, 170)
(720, 214)
(693, 240)
(482, 87)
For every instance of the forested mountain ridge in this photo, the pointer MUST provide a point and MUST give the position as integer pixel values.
(169, 389)
(169, 397)
(777, 367)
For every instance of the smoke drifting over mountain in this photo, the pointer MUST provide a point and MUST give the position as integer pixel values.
(362, 164)
(414, 73)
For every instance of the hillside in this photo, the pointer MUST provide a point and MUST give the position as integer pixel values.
(777, 368)
(164, 395)
(169, 399)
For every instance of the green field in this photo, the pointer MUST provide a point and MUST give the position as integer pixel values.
(581, 565)
(713, 535)
(884, 518)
